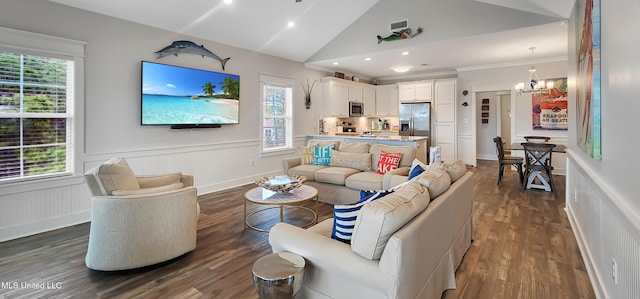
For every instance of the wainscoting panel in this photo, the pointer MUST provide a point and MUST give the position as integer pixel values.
(38, 207)
(466, 148)
(26, 213)
(607, 231)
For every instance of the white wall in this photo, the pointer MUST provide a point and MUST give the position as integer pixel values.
(602, 195)
(505, 78)
(218, 158)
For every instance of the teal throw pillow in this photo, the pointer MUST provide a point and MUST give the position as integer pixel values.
(322, 155)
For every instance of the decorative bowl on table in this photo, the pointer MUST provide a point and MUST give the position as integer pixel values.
(281, 183)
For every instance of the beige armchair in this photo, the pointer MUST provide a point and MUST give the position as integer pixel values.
(138, 221)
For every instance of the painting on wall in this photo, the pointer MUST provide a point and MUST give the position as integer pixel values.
(588, 76)
(549, 110)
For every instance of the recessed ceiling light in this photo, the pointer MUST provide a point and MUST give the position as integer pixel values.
(401, 68)
(367, 59)
(291, 24)
(405, 53)
(228, 1)
(335, 63)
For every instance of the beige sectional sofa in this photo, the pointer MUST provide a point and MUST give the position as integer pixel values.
(407, 244)
(353, 168)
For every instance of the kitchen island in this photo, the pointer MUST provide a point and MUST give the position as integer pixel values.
(420, 142)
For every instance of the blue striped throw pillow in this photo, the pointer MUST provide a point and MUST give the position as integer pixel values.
(344, 216)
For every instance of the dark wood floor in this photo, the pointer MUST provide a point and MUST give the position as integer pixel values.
(523, 248)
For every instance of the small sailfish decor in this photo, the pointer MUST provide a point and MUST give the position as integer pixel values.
(307, 93)
(398, 35)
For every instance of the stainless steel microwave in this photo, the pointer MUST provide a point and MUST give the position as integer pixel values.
(356, 109)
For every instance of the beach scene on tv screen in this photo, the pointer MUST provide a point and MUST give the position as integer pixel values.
(178, 95)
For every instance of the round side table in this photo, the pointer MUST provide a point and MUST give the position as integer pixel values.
(278, 275)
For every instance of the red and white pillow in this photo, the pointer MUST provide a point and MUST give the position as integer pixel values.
(388, 161)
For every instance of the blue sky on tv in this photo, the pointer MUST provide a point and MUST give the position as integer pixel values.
(163, 79)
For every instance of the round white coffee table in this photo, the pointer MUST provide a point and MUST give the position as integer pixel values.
(293, 199)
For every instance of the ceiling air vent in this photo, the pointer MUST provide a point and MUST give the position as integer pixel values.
(398, 25)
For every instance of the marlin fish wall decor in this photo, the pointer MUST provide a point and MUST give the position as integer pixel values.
(398, 35)
(184, 46)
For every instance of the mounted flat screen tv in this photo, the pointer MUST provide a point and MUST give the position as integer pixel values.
(188, 98)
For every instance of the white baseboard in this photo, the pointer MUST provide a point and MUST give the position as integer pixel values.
(206, 189)
(487, 157)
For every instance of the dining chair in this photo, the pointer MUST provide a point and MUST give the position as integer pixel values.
(507, 160)
(537, 164)
(537, 138)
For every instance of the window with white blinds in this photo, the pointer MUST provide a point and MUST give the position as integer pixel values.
(277, 114)
(36, 100)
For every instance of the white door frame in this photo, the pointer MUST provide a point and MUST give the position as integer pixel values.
(485, 88)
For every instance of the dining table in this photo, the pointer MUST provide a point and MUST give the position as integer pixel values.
(530, 181)
(560, 148)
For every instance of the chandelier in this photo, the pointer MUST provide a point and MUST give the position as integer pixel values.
(534, 84)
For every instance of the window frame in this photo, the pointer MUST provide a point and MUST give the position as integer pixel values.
(277, 81)
(35, 44)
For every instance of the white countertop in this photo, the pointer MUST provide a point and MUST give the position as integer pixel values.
(374, 137)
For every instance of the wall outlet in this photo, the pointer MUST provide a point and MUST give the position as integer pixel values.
(252, 162)
(614, 271)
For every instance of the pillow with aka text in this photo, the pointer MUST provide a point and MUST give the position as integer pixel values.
(388, 161)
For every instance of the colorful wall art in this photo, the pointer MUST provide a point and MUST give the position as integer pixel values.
(549, 110)
(588, 76)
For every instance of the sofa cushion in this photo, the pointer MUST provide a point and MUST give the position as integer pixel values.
(367, 180)
(344, 216)
(388, 161)
(434, 179)
(306, 155)
(147, 181)
(354, 147)
(455, 169)
(380, 219)
(317, 142)
(150, 190)
(306, 170)
(116, 174)
(408, 154)
(334, 175)
(322, 154)
(359, 161)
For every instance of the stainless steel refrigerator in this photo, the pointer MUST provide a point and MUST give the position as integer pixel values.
(415, 119)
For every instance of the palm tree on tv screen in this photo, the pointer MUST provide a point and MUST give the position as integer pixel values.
(231, 87)
(208, 89)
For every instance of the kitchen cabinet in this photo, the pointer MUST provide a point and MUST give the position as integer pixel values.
(387, 100)
(337, 93)
(335, 98)
(355, 93)
(416, 91)
(369, 100)
(445, 133)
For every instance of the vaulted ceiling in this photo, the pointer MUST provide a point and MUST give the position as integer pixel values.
(456, 33)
